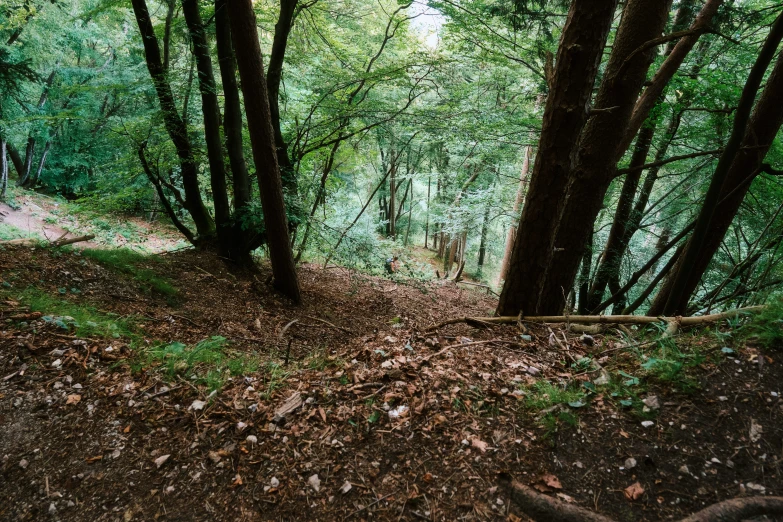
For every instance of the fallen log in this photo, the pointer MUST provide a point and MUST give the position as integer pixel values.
(543, 508)
(28, 241)
(601, 319)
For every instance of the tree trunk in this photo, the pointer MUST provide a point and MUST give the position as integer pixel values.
(751, 138)
(274, 76)
(232, 109)
(483, 242)
(251, 72)
(617, 242)
(410, 213)
(578, 57)
(584, 278)
(174, 125)
(28, 162)
(16, 159)
(626, 70)
(427, 224)
(33, 180)
(390, 215)
(3, 169)
(170, 7)
(512, 230)
(211, 112)
(319, 197)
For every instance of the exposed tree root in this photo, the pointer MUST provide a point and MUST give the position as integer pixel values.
(601, 319)
(543, 508)
(56, 243)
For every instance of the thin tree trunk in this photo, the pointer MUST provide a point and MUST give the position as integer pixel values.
(578, 58)
(273, 78)
(626, 70)
(427, 223)
(512, 230)
(174, 125)
(232, 109)
(483, 242)
(320, 196)
(211, 113)
(410, 213)
(170, 7)
(657, 279)
(41, 163)
(3, 169)
(251, 72)
(390, 215)
(751, 138)
(16, 159)
(28, 162)
(617, 242)
(584, 278)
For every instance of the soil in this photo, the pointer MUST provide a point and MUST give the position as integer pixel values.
(397, 422)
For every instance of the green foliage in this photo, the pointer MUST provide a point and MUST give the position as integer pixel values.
(543, 394)
(766, 328)
(81, 319)
(128, 262)
(209, 362)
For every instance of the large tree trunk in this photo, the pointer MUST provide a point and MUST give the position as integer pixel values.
(232, 109)
(251, 72)
(174, 125)
(642, 21)
(211, 111)
(751, 138)
(512, 230)
(578, 57)
(16, 159)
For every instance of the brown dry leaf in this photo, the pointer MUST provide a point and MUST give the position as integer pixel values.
(237, 480)
(322, 412)
(73, 399)
(634, 491)
(479, 444)
(427, 477)
(565, 498)
(93, 459)
(551, 481)
(127, 429)
(624, 434)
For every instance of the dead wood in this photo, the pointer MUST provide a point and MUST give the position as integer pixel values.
(290, 405)
(543, 508)
(56, 243)
(601, 319)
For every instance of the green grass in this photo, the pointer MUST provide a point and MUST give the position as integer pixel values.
(81, 319)
(128, 262)
(766, 328)
(8, 232)
(210, 362)
(543, 394)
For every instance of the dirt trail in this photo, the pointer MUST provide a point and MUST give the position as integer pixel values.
(46, 218)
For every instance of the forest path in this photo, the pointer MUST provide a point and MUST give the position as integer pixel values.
(40, 216)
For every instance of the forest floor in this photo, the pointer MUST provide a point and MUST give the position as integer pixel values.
(33, 215)
(145, 388)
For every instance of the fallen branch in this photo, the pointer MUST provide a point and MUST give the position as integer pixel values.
(542, 508)
(27, 241)
(600, 319)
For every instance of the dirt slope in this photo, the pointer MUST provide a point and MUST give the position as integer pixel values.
(396, 423)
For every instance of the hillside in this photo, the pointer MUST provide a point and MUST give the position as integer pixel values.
(141, 388)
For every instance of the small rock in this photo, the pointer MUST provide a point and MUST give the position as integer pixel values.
(197, 405)
(241, 426)
(315, 482)
(345, 487)
(647, 424)
(532, 370)
(252, 439)
(274, 482)
(56, 364)
(398, 412)
(587, 340)
(755, 487)
(714, 460)
(161, 460)
(630, 463)
(755, 431)
(730, 464)
(723, 398)
(526, 337)
(579, 465)
(52, 509)
(77, 386)
(23, 463)
(652, 402)
(684, 470)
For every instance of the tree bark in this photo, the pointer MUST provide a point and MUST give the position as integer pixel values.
(33, 180)
(211, 113)
(751, 138)
(3, 169)
(273, 78)
(512, 230)
(642, 21)
(619, 237)
(578, 57)
(16, 159)
(483, 242)
(175, 126)
(232, 109)
(251, 72)
(170, 7)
